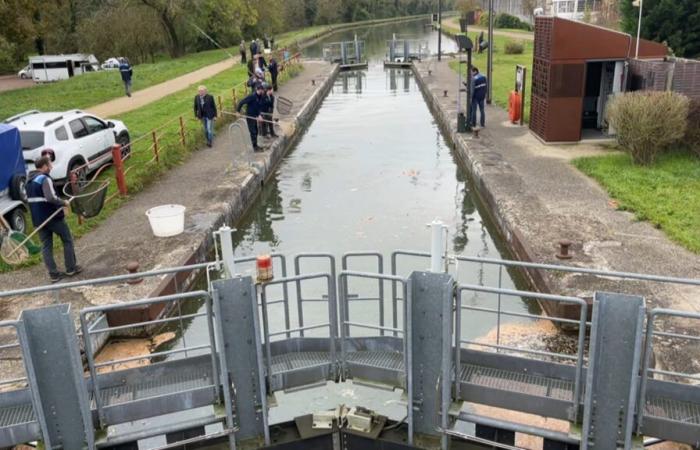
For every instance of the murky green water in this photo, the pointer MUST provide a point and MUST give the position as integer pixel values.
(370, 172)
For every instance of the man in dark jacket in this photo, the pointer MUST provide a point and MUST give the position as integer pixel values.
(478, 97)
(43, 203)
(253, 48)
(273, 68)
(126, 72)
(205, 110)
(268, 127)
(242, 50)
(254, 104)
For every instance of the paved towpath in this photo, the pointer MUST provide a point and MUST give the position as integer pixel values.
(525, 35)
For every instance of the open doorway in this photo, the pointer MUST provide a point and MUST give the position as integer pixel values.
(600, 84)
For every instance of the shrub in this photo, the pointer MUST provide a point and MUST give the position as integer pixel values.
(484, 20)
(647, 123)
(692, 133)
(507, 21)
(514, 48)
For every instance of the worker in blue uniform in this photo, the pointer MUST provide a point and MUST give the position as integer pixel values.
(479, 86)
(43, 204)
(254, 104)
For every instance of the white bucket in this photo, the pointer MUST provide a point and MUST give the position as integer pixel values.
(167, 220)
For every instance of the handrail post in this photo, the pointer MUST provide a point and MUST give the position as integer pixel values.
(119, 170)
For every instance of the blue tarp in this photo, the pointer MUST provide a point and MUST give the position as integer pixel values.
(11, 160)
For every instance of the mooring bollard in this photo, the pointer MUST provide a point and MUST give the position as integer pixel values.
(133, 267)
(119, 169)
(564, 245)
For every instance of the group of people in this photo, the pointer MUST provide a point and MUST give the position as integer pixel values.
(259, 105)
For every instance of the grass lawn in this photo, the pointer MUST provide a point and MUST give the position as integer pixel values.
(504, 69)
(667, 194)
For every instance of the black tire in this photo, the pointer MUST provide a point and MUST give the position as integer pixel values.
(23, 76)
(124, 140)
(82, 173)
(18, 188)
(17, 220)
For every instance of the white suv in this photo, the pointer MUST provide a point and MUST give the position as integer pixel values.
(79, 141)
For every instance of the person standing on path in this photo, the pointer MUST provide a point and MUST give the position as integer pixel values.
(268, 125)
(126, 72)
(242, 50)
(273, 68)
(254, 104)
(43, 203)
(253, 48)
(205, 110)
(479, 83)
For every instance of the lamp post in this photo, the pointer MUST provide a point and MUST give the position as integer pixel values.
(439, 27)
(489, 64)
(640, 4)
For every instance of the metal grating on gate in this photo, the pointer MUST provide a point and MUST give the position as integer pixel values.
(157, 386)
(17, 414)
(380, 359)
(299, 360)
(517, 382)
(676, 410)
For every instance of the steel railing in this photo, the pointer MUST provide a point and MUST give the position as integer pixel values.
(298, 271)
(88, 331)
(345, 263)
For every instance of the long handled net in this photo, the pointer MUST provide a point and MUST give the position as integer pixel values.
(283, 105)
(15, 247)
(87, 198)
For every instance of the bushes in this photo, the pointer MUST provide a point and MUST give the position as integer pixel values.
(514, 48)
(647, 123)
(507, 21)
(692, 133)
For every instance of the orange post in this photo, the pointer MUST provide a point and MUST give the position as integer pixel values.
(119, 169)
(182, 131)
(155, 147)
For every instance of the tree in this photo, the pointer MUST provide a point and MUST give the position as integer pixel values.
(466, 6)
(676, 22)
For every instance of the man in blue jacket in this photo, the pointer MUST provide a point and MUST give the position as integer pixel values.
(43, 203)
(126, 72)
(254, 103)
(479, 84)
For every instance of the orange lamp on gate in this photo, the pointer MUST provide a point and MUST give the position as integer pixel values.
(263, 264)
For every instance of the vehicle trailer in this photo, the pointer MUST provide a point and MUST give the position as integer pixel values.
(13, 176)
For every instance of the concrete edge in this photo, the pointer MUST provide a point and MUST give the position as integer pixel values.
(243, 197)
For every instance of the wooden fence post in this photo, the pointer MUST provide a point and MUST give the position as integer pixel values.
(220, 110)
(155, 146)
(119, 169)
(233, 92)
(182, 131)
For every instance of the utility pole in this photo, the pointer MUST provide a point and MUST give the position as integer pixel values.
(639, 3)
(489, 65)
(439, 27)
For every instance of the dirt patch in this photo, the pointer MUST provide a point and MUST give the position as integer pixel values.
(12, 82)
(130, 348)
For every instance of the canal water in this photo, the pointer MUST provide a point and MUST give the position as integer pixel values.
(370, 172)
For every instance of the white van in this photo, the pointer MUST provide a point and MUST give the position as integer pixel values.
(47, 68)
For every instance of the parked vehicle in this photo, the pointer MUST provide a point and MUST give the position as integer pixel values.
(12, 179)
(77, 140)
(25, 73)
(61, 67)
(110, 64)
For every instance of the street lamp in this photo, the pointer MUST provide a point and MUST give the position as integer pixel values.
(640, 5)
(439, 27)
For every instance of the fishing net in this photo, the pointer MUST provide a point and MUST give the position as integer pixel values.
(15, 248)
(242, 146)
(284, 105)
(87, 198)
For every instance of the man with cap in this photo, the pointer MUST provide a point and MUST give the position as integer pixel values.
(268, 127)
(254, 104)
(47, 209)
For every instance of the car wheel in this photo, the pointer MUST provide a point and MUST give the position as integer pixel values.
(124, 140)
(23, 76)
(18, 189)
(17, 221)
(78, 166)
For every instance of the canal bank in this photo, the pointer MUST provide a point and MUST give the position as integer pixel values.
(537, 198)
(213, 185)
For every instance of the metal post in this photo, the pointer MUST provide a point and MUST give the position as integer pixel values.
(639, 27)
(489, 64)
(439, 27)
(227, 250)
(437, 245)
